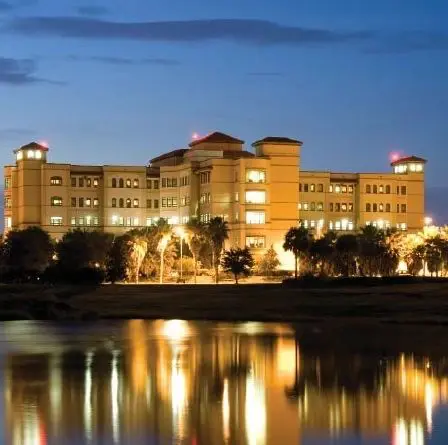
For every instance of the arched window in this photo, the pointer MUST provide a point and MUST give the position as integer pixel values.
(121, 203)
(388, 189)
(56, 180)
(136, 202)
(121, 183)
(56, 201)
(381, 207)
(368, 207)
(128, 183)
(128, 203)
(114, 202)
(114, 183)
(136, 183)
(387, 207)
(368, 189)
(375, 207)
(375, 189)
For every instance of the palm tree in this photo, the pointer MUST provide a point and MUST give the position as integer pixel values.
(217, 232)
(346, 252)
(322, 252)
(372, 243)
(195, 239)
(298, 241)
(238, 261)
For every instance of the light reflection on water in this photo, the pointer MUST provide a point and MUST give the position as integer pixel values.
(178, 382)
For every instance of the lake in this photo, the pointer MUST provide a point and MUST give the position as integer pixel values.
(197, 383)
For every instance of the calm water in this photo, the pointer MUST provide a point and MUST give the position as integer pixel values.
(177, 382)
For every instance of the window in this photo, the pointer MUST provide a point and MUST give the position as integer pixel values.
(398, 208)
(402, 226)
(387, 189)
(350, 189)
(149, 203)
(204, 177)
(403, 208)
(375, 189)
(81, 182)
(403, 190)
(312, 187)
(7, 202)
(128, 203)
(81, 202)
(368, 207)
(19, 155)
(387, 207)
(237, 196)
(174, 201)
(30, 154)
(338, 207)
(156, 184)
(401, 168)
(306, 187)
(331, 207)
(209, 197)
(96, 202)
(164, 202)
(375, 207)
(56, 220)
(95, 182)
(174, 182)
(95, 220)
(89, 182)
(73, 181)
(344, 189)
(73, 221)
(381, 208)
(73, 202)
(121, 203)
(320, 206)
(398, 190)
(337, 188)
(156, 203)
(368, 188)
(128, 183)
(300, 187)
(255, 242)
(114, 202)
(205, 217)
(55, 180)
(313, 207)
(88, 202)
(121, 183)
(148, 184)
(256, 176)
(305, 206)
(381, 189)
(255, 197)
(183, 201)
(344, 207)
(350, 207)
(136, 202)
(164, 183)
(114, 182)
(330, 188)
(136, 183)
(255, 217)
(320, 188)
(56, 201)
(81, 221)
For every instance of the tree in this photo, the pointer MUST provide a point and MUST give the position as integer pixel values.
(80, 249)
(433, 255)
(346, 253)
(137, 252)
(27, 253)
(298, 241)
(322, 253)
(117, 260)
(371, 245)
(268, 263)
(238, 261)
(217, 233)
(415, 260)
(196, 234)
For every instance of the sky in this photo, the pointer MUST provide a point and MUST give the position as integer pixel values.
(119, 82)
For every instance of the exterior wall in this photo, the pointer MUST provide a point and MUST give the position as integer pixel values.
(212, 179)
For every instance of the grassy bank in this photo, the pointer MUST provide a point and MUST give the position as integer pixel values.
(423, 302)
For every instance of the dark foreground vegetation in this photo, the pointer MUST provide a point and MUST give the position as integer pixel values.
(419, 301)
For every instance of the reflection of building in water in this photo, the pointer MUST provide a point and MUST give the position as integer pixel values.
(181, 381)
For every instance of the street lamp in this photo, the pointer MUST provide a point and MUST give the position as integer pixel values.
(180, 232)
(428, 221)
(162, 246)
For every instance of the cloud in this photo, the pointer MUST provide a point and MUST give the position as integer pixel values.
(20, 72)
(126, 61)
(256, 32)
(91, 10)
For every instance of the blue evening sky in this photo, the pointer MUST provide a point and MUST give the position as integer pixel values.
(121, 81)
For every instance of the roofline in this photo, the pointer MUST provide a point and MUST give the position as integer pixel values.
(264, 141)
(408, 159)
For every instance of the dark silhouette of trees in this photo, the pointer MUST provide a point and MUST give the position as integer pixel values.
(217, 233)
(238, 262)
(298, 240)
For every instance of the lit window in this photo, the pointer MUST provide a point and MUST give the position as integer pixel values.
(344, 207)
(237, 196)
(136, 183)
(331, 225)
(313, 206)
(338, 225)
(89, 182)
(185, 219)
(344, 189)
(255, 242)
(418, 167)
(128, 183)
(135, 221)
(256, 176)
(73, 221)
(320, 206)
(115, 219)
(128, 203)
(8, 222)
(337, 189)
(19, 155)
(96, 202)
(381, 208)
(313, 224)
(305, 206)
(381, 189)
(88, 202)
(255, 197)
(305, 223)
(81, 221)
(56, 220)
(330, 189)
(350, 207)
(38, 154)
(350, 189)
(56, 180)
(136, 202)
(173, 220)
(56, 201)
(312, 187)
(30, 154)
(114, 202)
(95, 220)
(95, 182)
(7, 182)
(88, 220)
(255, 217)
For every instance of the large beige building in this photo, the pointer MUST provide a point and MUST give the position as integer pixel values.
(261, 193)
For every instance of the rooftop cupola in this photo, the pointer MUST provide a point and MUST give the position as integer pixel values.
(409, 164)
(32, 152)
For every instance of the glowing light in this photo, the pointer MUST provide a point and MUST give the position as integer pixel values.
(175, 330)
(429, 403)
(428, 221)
(178, 398)
(195, 136)
(43, 143)
(255, 411)
(114, 390)
(394, 156)
(88, 397)
(226, 411)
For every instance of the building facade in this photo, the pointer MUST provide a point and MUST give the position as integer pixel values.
(260, 193)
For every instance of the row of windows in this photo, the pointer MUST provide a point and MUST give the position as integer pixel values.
(184, 181)
(379, 207)
(77, 181)
(381, 189)
(128, 203)
(169, 202)
(255, 176)
(30, 154)
(341, 207)
(7, 202)
(313, 206)
(150, 203)
(77, 202)
(204, 177)
(185, 201)
(255, 242)
(128, 221)
(205, 198)
(152, 184)
(332, 188)
(169, 182)
(130, 183)
(84, 221)
(403, 168)
(7, 182)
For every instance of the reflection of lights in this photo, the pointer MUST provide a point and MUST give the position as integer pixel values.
(88, 397)
(55, 389)
(286, 358)
(31, 434)
(178, 398)
(114, 390)
(226, 411)
(139, 352)
(175, 330)
(255, 411)
(429, 403)
(400, 433)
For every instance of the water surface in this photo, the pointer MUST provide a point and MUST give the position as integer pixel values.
(178, 382)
